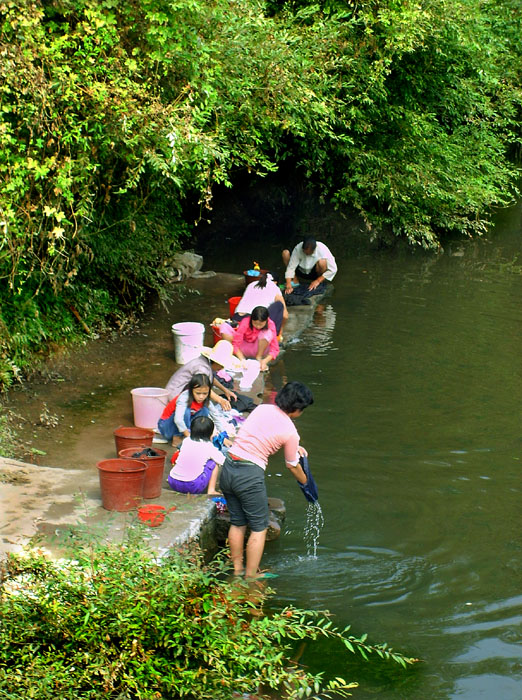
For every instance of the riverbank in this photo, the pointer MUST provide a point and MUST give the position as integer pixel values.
(70, 418)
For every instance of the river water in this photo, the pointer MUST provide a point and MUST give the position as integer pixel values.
(415, 443)
(414, 440)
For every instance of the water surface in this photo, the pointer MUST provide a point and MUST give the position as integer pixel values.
(415, 443)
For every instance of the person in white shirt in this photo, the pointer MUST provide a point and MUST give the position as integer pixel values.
(311, 261)
(264, 292)
(195, 466)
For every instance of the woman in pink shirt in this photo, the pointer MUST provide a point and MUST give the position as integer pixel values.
(266, 430)
(255, 337)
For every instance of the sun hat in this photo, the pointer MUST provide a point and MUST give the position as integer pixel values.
(222, 353)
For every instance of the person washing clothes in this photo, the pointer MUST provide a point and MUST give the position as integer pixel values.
(266, 430)
(178, 414)
(310, 261)
(195, 466)
(255, 337)
(210, 360)
(264, 292)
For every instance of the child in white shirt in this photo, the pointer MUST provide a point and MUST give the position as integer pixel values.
(195, 465)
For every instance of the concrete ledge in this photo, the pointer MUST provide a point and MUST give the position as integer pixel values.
(50, 501)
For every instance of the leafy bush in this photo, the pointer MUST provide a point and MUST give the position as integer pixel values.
(116, 622)
(118, 119)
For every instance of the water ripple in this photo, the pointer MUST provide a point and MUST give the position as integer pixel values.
(365, 575)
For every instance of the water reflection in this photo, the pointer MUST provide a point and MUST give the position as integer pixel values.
(319, 337)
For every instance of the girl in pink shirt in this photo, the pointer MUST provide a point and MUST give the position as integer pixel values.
(266, 430)
(255, 337)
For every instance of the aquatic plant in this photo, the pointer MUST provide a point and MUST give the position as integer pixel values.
(115, 621)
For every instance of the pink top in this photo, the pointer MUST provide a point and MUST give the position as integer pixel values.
(264, 432)
(258, 296)
(250, 335)
(192, 457)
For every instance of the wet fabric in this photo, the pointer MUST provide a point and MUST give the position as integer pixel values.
(301, 294)
(147, 452)
(225, 379)
(219, 440)
(310, 488)
(243, 403)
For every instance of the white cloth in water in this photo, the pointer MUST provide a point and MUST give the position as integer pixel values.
(250, 374)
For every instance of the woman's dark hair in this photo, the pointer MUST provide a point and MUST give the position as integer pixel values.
(196, 381)
(261, 280)
(294, 396)
(201, 428)
(259, 313)
(309, 243)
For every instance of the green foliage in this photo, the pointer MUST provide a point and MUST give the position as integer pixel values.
(116, 622)
(429, 106)
(117, 118)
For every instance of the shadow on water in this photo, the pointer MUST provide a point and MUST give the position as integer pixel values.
(414, 441)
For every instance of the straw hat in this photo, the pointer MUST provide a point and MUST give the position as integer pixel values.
(222, 353)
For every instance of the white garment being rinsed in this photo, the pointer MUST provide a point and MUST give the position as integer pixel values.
(250, 374)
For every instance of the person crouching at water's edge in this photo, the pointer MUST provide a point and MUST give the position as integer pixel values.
(266, 430)
(311, 261)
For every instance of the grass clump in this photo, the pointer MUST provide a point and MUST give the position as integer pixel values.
(115, 621)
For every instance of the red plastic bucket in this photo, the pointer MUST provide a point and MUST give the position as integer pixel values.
(216, 334)
(153, 515)
(132, 437)
(232, 303)
(155, 467)
(121, 483)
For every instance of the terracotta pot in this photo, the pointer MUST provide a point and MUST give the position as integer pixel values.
(155, 468)
(121, 483)
(132, 437)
